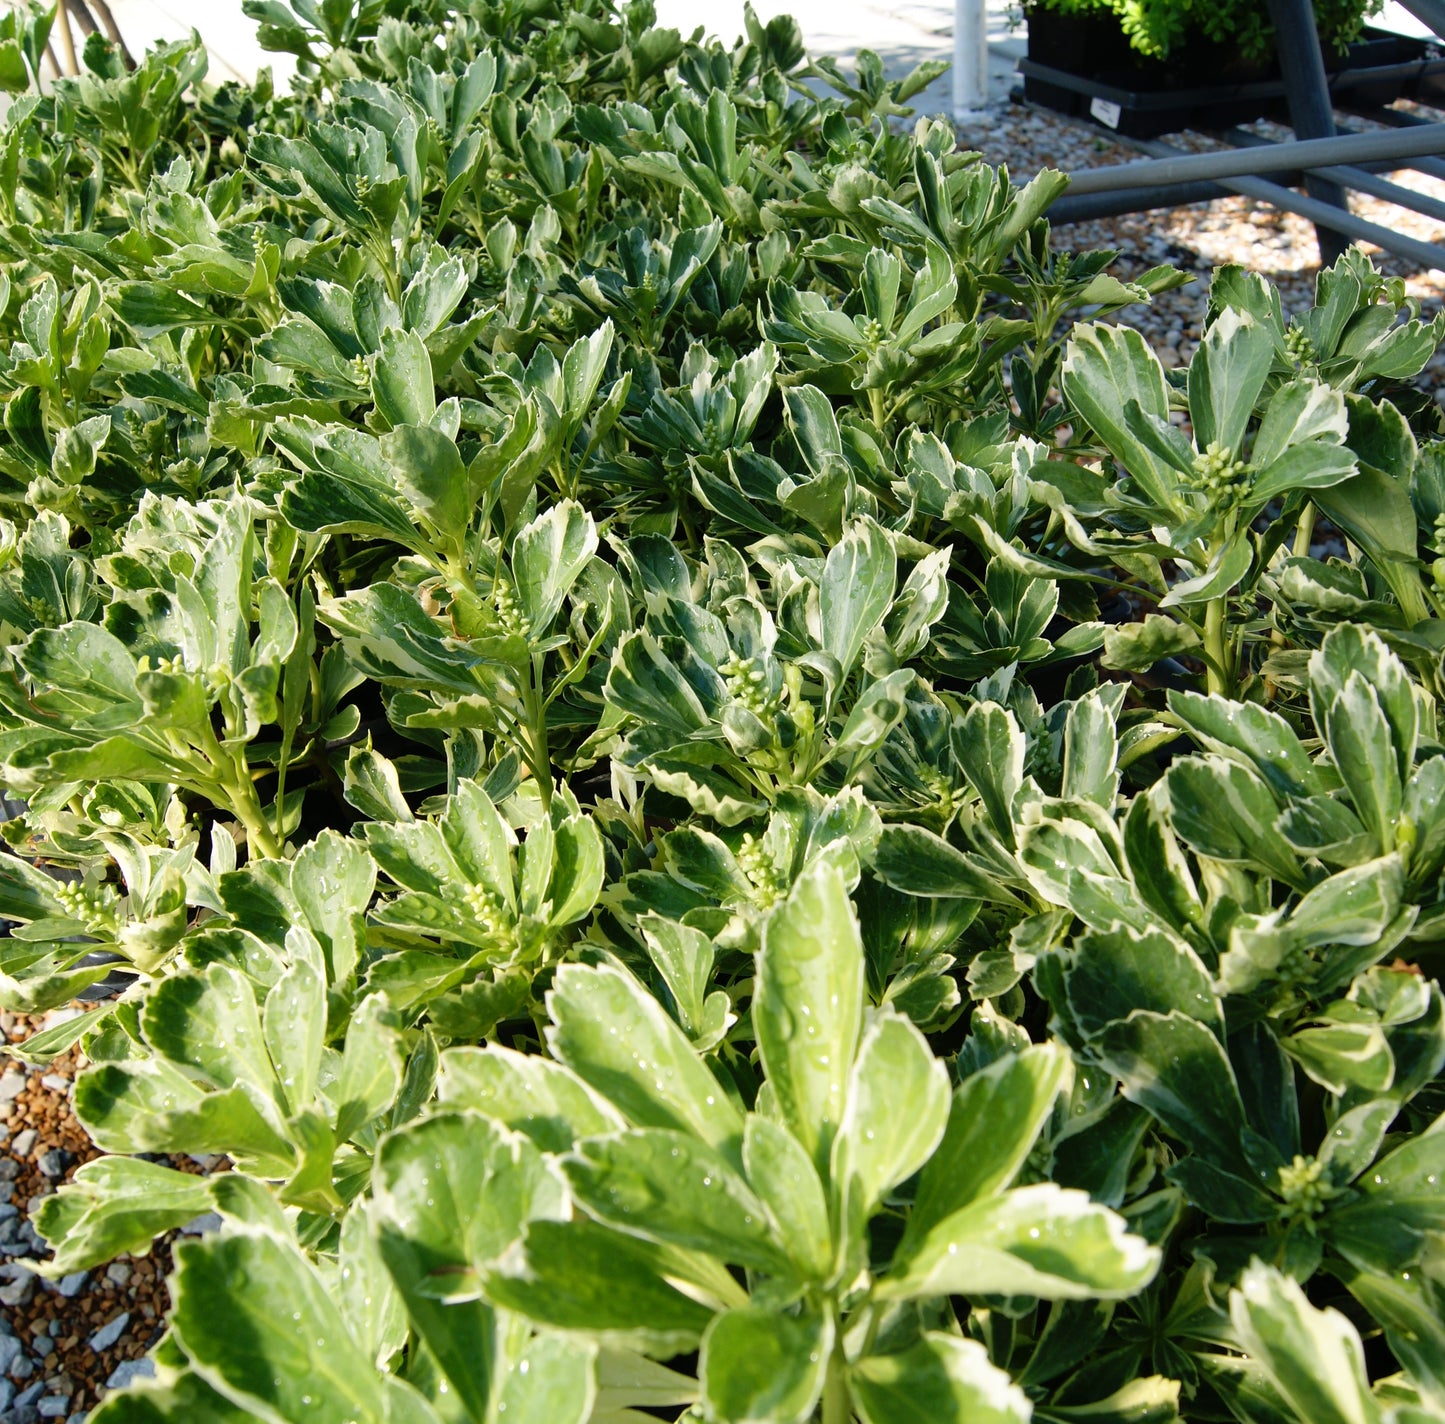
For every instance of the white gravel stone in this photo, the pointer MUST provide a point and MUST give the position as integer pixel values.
(129, 1370)
(24, 1143)
(117, 1273)
(18, 1292)
(110, 1332)
(56, 1083)
(11, 1086)
(70, 1285)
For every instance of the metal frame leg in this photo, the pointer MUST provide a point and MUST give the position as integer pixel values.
(1311, 112)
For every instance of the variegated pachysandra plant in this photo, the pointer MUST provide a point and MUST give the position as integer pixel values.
(728, 801)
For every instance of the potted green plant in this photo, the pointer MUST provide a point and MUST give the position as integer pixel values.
(1147, 67)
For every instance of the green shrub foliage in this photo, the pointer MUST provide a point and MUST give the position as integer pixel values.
(729, 804)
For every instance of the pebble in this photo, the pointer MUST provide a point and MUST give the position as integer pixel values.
(117, 1273)
(198, 1226)
(24, 1143)
(129, 1370)
(110, 1332)
(53, 1162)
(18, 1292)
(30, 1394)
(7, 1395)
(11, 1086)
(10, 1351)
(70, 1285)
(56, 1083)
(54, 1406)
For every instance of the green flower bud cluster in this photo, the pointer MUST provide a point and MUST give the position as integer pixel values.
(488, 912)
(762, 874)
(1299, 348)
(1220, 475)
(1437, 568)
(1296, 966)
(943, 790)
(509, 611)
(746, 682)
(1305, 1188)
(97, 907)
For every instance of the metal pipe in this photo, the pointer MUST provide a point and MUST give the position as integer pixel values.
(970, 58)
(1404, 119)
(1340, 220)
(67, 40)
(1087, 207)
(1356, 179)
(1091, 206)
(1307, 92)
(1231, 163)
(82, 16)
(1402, 197)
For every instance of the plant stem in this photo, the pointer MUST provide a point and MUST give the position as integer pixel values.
(1216, 655)
(539, 757)
(1304, 533)
(263, 843)
(837, 1402)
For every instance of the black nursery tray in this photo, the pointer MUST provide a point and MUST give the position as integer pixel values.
(1075, 71)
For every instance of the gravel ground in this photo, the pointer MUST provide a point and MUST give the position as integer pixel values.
(63, 1344)
(1197, 239)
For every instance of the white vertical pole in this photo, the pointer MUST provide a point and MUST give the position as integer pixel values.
(970, 58)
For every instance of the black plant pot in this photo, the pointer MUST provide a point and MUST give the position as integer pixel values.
(1084, 66)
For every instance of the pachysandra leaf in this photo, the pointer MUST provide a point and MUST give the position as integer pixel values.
(619, 1039)
(720, 807)
(258, 1325)
(808, 1006)
(1041, 1240)
(758, 1365)
(940, 1378)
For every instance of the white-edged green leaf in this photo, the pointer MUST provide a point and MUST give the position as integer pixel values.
(257, 1323)
(877, 1145)
(1314, 1358)
(548, 558)
(760, 1366)
(1044, 1240)
(856, 590)
(808, 1006)
(940, 1379)
(613, 1034)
